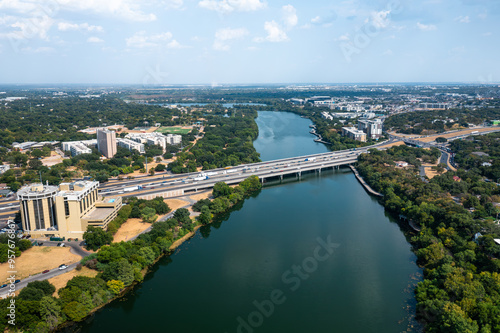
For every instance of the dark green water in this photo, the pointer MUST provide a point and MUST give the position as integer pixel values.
(268, 250)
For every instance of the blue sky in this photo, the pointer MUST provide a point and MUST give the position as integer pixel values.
(249, 41)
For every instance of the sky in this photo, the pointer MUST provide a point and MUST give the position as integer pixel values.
(163, 42)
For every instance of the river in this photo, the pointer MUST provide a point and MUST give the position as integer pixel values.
(319, 255)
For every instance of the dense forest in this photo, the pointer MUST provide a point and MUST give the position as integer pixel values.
(480, 154)
(461, 287)
(228, 141)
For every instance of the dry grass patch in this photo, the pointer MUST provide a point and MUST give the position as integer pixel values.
(176, 203)
(397, 143)
(37, 259)
(129, 229)
(454, 134)
(60, 281)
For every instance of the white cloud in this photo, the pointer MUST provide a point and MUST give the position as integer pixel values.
(228, 6)
(95, 40)
(126, 9)
(380, 19)
(426, 27)
(388, 52)
(275, 33)
(343, 38)
(26, 28)
(173, 44)
(290, 16)
(173, 4)
(463, 19)
(66, 26)
(316, 19)
(222, 36)
(140, 40)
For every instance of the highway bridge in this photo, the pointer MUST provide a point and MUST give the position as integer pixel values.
(172, 186)
(177, 185)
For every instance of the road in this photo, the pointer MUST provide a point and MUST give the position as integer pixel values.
(75, 249)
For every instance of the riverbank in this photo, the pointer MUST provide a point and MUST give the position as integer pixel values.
(362, 182)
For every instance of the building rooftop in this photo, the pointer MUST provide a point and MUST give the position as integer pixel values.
(98, 214)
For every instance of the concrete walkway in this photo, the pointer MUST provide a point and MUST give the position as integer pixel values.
(365, 185)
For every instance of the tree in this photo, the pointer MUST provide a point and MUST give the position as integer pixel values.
(148, 215)
(151, 172)
(75, 311)
(24, 244)
(45, 286)
(206, 216)
(35, 164)
(31, 294)
(441, 139)
(182, 216)
(50, 312)
(96, 237)
(160, 167)
(119, 270)
(221, 189)
(115, 286)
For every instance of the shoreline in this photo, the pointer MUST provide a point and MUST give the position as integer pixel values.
(365, 185)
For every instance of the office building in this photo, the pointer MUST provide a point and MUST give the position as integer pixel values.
(106, 142)
(353, 133)
(65, 210)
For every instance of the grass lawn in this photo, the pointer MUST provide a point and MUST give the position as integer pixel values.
(173, 130)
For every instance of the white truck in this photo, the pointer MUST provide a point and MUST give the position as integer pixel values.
(132, 188)
(310, 159)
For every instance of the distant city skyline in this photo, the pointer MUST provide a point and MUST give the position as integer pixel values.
(167, 42)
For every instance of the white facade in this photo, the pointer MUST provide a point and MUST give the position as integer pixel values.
(131, 145)
(155, 139)
(79, 148)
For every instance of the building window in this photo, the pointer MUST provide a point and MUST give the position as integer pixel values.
(39, 218)
(66, 207)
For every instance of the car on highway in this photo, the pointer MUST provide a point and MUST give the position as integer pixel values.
(45, 271)
(17, 281)
(63, 266)
(3, 286)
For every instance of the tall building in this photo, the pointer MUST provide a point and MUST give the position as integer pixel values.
(106, 142)
(353, 133)
(65, 210)
(372, 128)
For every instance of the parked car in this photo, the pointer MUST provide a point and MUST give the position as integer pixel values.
(62, 245)
(63, 266)
(17, 281)
(3, 286)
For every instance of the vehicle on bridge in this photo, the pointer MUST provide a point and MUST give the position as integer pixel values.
(310, 159)
(132, 188)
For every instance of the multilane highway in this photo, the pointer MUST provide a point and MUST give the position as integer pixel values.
(175, 185)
